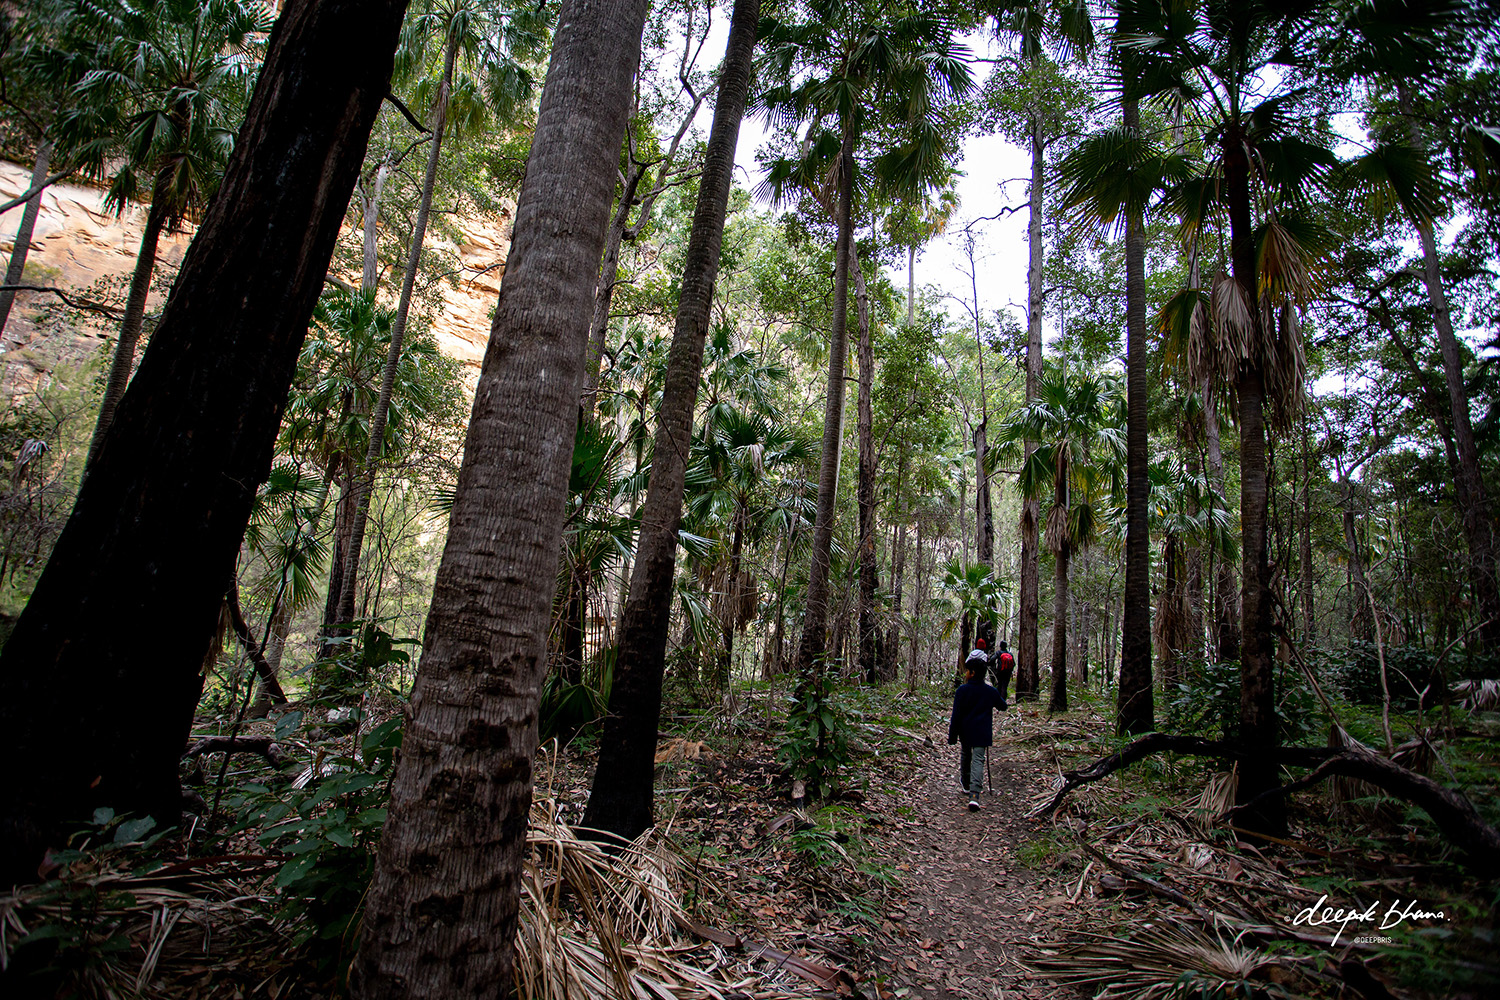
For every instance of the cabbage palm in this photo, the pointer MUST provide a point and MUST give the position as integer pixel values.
(483, 48)
(1070, 430)
(159, 86)
(842, 61)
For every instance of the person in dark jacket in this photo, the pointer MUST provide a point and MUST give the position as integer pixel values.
(972, 727)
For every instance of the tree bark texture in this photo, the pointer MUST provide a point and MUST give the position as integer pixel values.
(130, 325)
(621, 799)
(443, 904)
(1226, 593)
(1027, 651)
(1135, 708)
(158, 521)
(19, 250)
(869, 579)
(813, 645)
(1258, 727)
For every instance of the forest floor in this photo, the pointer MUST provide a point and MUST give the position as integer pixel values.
(891, 890)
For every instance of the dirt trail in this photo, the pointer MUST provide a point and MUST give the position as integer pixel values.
(971, 905)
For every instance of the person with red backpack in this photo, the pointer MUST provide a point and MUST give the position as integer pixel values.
(1005, 665)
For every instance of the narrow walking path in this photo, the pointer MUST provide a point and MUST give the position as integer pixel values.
(972, 905)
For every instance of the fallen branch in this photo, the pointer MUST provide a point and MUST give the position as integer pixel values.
(71, 300)
(1455, 816)
(1155, 743)
(262, 746)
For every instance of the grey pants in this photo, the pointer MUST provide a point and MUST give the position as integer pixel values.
(971, 767)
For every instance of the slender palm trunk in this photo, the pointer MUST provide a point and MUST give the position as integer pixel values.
(609, 272)
(1059, 700)
(621, 799)
(22, 246)
(1027, 650)
(869, 580)
(130, 326)
(1258, 726)
(892, 658)
(1135, 707)
(365, 481)
(1309, 627)
(984, 520)
(813, 645)
(158, 522)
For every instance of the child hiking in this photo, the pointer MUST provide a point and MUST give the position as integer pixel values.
(972, 725)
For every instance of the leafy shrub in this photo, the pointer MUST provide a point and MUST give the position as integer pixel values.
(815, 743)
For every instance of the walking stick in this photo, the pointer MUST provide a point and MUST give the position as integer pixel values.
(989, 779)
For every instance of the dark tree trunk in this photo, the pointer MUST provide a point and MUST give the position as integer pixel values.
(869, 580)
(984, 527)
(1226, 593)
(1027, 646)
(1258, 726)
(130, 326)
(1309, 627)
(158, 522)
(1135, 708)
(621, 799)
(1059, 700)
(891, 661)
(812, 647)
(17, 268)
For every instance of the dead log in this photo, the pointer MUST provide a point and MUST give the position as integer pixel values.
(1455, 816)
(262, 746)
(1155, 743)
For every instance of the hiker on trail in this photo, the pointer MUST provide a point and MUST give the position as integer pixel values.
(972, 726)
(1005, 665)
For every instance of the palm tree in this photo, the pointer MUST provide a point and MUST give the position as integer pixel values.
(621, 801)
(451, 853)
(1073, 454)
(157, 526)
(1037, 25)
(482, 37)
(838, 61)
(159, 86)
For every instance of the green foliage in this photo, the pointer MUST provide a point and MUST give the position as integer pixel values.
(836, 859)
(330, 827)
(815, 743)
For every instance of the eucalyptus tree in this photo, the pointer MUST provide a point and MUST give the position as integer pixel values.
(1071, 446)
(857, 64)
(1414, 48)
(1035, 102)
(158, 522)
(489, 40)
(159, 87)
(451, 852)
(622, 798)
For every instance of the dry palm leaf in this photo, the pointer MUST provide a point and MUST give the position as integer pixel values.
(1163, 962)
(1479, 695)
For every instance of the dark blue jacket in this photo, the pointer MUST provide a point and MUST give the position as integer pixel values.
(971, 721)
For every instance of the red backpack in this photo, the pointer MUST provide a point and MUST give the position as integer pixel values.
(1007, 663)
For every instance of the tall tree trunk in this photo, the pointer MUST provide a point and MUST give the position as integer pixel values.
(444, 900)
(811, 648)
(984, 521)
(891, 667)
(17, 269)
(1226, 592)
(1258, 726)
(1471, 493)
(918, 600)
(621, 799)
(1030, 599)
(869, 580)
(365, 481)
(1059, 700)
(609, 271)
(729, 613)
(1135, 708)
(130, 325)
(159, 519)
(1361, 625)
(1309, 626)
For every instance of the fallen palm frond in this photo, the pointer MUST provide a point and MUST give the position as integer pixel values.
(601, 921)
(1162, 962)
